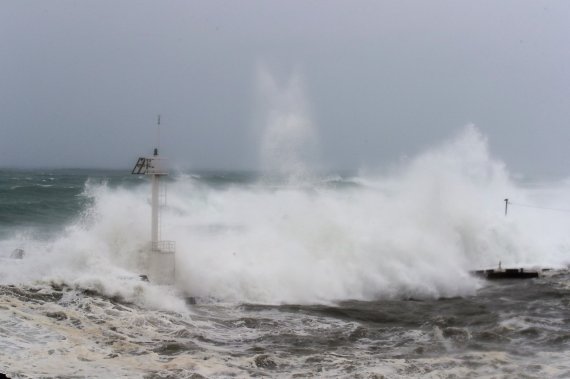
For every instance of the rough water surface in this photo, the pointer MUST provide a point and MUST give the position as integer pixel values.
(359, 274)
(512, 329)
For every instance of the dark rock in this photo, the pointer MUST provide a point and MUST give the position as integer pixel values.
(174, 348)
(263, 361)
(57, 287)
(458, 335)
(60, 316)
(358, 333)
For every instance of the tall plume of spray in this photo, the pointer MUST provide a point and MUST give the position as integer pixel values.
(288, 136)
(416, 231)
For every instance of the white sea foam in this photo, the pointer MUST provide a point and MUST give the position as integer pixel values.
(414, 232)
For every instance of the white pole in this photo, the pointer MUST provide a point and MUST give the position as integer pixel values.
(154, 216)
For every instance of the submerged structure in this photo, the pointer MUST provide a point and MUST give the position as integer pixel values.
(160, 257)
(508, 273)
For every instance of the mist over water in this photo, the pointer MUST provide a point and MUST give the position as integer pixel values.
(288, 135)
(416, 231)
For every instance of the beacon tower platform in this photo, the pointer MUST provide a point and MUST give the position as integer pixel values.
(160, 261)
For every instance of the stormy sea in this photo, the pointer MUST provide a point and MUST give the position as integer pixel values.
(363, 274)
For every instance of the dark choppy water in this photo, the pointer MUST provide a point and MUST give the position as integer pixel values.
(509, 329)
(44, 201)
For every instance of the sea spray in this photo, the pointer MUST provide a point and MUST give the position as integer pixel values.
(288, 146)
(418, 232)
(100, 251)
(414, 232)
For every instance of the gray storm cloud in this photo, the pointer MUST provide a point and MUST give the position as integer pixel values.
(82, 82)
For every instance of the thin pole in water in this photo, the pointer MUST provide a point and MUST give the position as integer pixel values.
(506, 206)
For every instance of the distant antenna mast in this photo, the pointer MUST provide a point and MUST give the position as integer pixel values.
(161, 259)
(158, 133)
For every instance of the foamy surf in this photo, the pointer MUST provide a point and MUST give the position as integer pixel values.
(415, 231)
(72, 332)
(323, 275)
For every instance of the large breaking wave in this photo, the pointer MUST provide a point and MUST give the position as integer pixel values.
(414, 231)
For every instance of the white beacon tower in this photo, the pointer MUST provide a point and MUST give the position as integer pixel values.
(161, 255)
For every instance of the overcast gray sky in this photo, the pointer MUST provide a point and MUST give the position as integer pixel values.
(81, 82)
